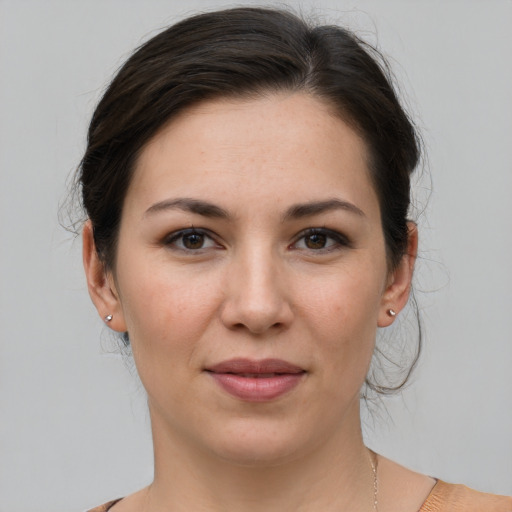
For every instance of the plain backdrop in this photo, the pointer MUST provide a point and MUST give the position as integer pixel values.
(74, 428)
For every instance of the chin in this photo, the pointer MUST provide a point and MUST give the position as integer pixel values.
(250, 456)
(254, 444)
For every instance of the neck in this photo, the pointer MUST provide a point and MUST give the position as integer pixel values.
(333, 476)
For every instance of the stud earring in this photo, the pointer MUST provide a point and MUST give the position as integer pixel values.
(391, 312)
(108, 318)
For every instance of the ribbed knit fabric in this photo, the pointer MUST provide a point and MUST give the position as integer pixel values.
(105, 507)
(459, 498)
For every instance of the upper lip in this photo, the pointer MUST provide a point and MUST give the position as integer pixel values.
(241, 365)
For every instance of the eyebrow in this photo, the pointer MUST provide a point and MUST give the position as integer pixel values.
(197, 206)
(297, 211)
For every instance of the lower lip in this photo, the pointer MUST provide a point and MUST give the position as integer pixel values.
(253, 389)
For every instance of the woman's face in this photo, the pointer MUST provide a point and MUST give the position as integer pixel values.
(251, 277)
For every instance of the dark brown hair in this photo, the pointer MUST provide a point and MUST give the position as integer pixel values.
(245, 52)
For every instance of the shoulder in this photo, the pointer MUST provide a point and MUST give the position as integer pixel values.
(454, 498)
(403, 489)
(105, 507)
(135, 501)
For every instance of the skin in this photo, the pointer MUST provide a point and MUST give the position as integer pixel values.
(255, 284)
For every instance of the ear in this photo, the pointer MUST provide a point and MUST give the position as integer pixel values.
(100, 282)
(398, 287)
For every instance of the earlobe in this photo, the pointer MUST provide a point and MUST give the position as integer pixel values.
(398, 288)
(100, 283)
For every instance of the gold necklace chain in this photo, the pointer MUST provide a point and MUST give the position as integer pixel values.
(373, 463)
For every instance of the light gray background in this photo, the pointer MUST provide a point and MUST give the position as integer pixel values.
(74, 429)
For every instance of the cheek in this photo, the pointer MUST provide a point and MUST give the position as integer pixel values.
(342, 315)
(166, 314)
(345, 301)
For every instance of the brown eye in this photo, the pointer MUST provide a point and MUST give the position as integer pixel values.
(190, 240)
(321, 240)
(193, 241)
(315, 241)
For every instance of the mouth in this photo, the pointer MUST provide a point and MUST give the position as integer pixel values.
(256, 381)
(256, 375)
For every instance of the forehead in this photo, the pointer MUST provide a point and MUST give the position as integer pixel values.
(273, 149)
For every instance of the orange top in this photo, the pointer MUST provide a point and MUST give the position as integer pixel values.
(443, 498)
(459, 498)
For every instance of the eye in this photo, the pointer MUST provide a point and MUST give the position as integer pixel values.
(320, 239)
(190, 240)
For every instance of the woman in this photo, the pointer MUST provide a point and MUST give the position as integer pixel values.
(246, 183)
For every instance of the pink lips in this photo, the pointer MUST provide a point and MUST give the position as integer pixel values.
(256, 381)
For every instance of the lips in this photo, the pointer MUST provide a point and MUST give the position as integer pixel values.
(256, 381)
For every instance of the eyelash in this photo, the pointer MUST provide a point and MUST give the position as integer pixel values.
(338, 240)
(171, 239)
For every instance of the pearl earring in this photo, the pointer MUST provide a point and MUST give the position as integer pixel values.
(391, 312)
(108, 318)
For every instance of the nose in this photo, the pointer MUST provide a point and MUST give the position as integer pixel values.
(257, 298)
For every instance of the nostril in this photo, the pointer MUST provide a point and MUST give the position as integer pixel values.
(257, 327)
(256, 304)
